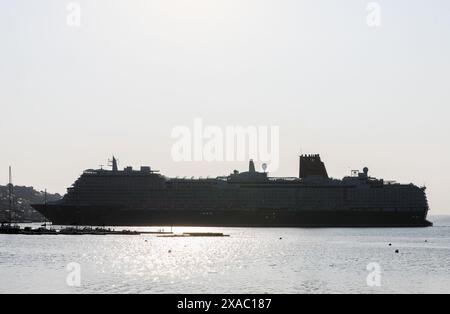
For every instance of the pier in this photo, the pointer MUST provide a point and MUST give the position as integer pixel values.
(10, 229)
(15, 229)
(194, 234)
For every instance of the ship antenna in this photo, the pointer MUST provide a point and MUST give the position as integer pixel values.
(264, 166)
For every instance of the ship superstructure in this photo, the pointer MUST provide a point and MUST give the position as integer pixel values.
(144, 197)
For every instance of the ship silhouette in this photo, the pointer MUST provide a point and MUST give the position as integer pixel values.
(249, 199)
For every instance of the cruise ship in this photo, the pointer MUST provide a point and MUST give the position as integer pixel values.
(145, 197)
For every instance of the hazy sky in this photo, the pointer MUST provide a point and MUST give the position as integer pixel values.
(360, 96)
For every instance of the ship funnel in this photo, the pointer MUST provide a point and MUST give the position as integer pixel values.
(312, 165)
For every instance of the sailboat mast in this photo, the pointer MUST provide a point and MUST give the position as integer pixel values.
(10, 195)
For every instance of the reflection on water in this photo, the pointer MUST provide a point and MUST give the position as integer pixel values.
(259, 260)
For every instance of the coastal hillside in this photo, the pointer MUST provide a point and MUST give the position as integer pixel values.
(23, 197)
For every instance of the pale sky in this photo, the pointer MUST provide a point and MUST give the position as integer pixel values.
(360, 96)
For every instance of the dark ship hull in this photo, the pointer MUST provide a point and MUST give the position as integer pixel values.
(114, 216)
(249, 199)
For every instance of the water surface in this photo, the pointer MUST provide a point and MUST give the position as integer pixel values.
(252, 260)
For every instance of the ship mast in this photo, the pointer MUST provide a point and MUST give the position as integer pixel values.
(113, 164)
(10, 195)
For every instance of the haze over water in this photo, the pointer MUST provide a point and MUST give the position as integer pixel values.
(252, 260)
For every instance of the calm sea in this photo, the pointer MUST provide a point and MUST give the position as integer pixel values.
(250, 261)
